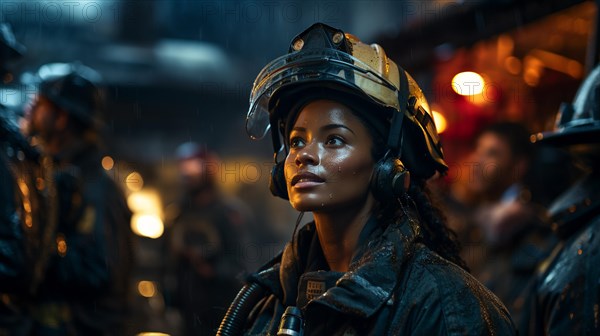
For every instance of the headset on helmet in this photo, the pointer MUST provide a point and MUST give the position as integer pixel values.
(73, 87)
(323, 59)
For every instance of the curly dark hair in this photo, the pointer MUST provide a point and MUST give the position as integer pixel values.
(436, 234)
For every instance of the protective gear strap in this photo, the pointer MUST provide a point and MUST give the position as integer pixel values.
(276, 141)
(395, 136)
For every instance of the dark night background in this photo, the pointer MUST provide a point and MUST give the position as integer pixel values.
(177, 71)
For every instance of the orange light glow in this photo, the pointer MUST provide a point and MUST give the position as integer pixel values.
(468, 83)
(146, 288)
(513, 65)
(440, 121)
(108, 163)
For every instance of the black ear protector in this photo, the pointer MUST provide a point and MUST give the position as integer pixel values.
(390, 179)
(277, 183)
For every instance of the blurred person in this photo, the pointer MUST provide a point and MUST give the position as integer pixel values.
(85, 289)
(515, 237)
(354, 142)
(27, 220)
(502, 156)
(206, 241)
(11, 141)
(567, 293)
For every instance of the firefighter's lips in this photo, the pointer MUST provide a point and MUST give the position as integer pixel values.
(306, 180)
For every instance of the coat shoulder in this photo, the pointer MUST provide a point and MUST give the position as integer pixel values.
(465, 305)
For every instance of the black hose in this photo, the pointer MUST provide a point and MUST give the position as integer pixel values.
(240, 308)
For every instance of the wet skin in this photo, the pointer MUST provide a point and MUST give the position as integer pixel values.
(328, 172)
(329, 165)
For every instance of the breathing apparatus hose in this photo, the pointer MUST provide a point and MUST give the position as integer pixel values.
(240, 308)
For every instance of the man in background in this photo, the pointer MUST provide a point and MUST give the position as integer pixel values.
(508, 230)
(26, 216)
(86, 286)
(206, 242)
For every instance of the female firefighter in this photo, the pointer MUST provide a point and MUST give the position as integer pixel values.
(359, 143)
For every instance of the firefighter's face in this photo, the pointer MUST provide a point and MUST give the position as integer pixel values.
(193, 172)
(494, 164)
(41, 118)
(329, 165)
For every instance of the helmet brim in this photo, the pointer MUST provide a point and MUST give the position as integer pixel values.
(585, 134)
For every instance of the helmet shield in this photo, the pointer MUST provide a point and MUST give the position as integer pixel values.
(10, 48)
(308, 66)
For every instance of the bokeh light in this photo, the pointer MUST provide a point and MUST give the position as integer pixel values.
(108, 163)
(440, 121)
(468, 83)
(146, 288)
(147, 225)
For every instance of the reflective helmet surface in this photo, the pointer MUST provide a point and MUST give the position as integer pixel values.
(326, 57)
(10, 48)
(579, 122)
(72, 87)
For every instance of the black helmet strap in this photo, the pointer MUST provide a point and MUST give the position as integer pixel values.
(396, 135)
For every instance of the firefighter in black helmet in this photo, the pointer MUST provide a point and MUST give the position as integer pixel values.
(567, 297)
(359, 142)
(85, 289)
(12, 256)
(25, 215)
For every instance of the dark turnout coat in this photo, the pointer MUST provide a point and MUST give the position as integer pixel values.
(567, 296)
(395, 286)
(85, 284)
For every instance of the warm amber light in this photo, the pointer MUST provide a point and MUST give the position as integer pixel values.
(146, 206)
(146, 201)
(468, 83)
(149, 226)
(440, 121)
(61, 245)
(513, 65)
(146, 288)
(532, 77)
(108, 163)
(134, 181)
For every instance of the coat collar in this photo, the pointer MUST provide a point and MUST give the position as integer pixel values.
(373, 274)
(366, 287)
